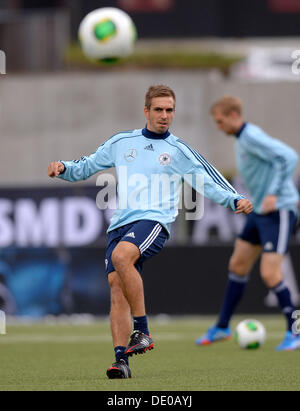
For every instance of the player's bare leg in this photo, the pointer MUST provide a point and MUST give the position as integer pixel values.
(243, 257)
(120, 322)
(270, 268)
(124, 257)
(120, 316)
(240, 264)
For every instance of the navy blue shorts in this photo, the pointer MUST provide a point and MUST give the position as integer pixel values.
(272, 231)
(149, 236)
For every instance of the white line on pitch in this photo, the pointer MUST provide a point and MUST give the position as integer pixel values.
(48, 338)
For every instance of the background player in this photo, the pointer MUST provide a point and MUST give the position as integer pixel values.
(137, 233)
(266, 165)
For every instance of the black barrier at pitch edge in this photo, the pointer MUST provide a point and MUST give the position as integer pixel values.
(178, 281)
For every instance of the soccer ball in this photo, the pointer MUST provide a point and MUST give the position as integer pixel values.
(107, 34)
(250, 334)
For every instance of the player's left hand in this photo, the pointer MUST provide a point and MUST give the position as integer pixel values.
(269, 204)
(244, 206)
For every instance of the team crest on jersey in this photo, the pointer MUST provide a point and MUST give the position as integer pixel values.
(131, 155)
(164, 159)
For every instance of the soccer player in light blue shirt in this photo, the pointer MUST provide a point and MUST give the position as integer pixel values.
(141, 223)
(266, 166)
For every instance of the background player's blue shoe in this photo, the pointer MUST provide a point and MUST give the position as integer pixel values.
(289, 343)
(214, 334)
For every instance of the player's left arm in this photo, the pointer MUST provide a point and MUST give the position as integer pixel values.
(225, 195)
(212, 184)
(243, 206)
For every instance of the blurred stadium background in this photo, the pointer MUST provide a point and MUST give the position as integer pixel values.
(56, 105)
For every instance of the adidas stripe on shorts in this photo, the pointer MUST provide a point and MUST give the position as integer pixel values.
(149, 236)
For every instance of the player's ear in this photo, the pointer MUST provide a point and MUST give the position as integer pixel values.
(146, 112)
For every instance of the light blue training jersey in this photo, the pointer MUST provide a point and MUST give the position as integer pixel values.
(266, 165)
(139, 156)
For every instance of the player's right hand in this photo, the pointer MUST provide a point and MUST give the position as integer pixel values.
(55, 168)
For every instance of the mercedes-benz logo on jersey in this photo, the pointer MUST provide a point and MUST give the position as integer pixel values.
(131, 154)
(164, 159)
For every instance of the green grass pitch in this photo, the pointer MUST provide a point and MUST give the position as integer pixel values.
(68, 357)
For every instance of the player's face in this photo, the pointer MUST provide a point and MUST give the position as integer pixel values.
(160, 115)
(225, 123)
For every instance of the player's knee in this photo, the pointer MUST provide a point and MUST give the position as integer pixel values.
(238, 266)
(122, 258)
(271, 277)
(119, 259)
(270, 269)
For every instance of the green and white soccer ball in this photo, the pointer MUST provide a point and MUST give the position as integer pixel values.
(107, 34)
(250, 334)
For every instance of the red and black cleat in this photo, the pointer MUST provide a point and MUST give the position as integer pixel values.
(119, 370)
(139, 343)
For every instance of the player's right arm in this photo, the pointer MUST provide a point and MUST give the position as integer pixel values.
(55, 168)
(85, 167)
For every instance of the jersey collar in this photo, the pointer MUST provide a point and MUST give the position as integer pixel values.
(150, 134)
(240, 130)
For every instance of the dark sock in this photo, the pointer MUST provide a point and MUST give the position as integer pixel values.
(141, 324)
(120, 354)
(284, 299)
(234, 292)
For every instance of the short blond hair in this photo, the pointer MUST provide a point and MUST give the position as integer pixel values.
(227, 104)
(159, 90)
